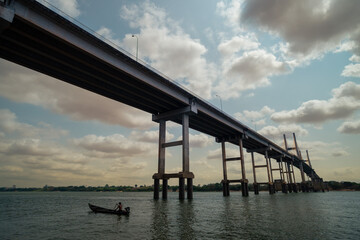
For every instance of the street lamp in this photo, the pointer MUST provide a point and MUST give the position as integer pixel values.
(220, 101)
(137, 45)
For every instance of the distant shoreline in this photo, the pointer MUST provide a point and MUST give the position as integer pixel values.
(213, 187)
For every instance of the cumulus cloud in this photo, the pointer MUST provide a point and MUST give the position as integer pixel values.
(345, 101)
(310, 28)
(238, 43)
(231, 12)
(23, 85)
(200, 140)
(149, 136)
(249, 71)
(31, 147)
(351, 70)
(10, 126)
(350, 127)
(277, 132)
(217, 153)
(247, 115)
(114, 144)
(168, 48)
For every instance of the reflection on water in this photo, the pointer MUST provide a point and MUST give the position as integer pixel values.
(160, 221)
(178, 216)
(333, 215)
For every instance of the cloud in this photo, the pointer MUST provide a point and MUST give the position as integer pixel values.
(345, 101)
(247, 115)
(70, 7)
(249, 71)
(351, 70)
(350, 127)
(238, 43)
(108, 36)
(200, 140)
(309, 28)
(231, 12)
(277, 132)
(149, 136)
(114, 144)
(340, 153)
(19, 84)
(165, 45)
(31, 147)
(217, 153)
(10, 126)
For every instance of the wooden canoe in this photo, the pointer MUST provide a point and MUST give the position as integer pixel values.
(97, 209)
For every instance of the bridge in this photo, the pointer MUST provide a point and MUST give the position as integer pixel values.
(46, 41)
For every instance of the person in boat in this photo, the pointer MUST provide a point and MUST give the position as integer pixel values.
(118, 207)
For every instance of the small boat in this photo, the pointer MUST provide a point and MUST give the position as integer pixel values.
(97, 209)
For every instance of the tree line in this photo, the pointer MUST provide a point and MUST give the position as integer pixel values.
(212, 187)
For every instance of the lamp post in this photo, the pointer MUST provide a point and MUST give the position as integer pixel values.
(220, 101)
(137, 46)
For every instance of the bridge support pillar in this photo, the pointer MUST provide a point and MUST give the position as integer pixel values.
(270, 176)
(256, 188)
(164, 188)
(181, 188)
(185, 174)
(226, 188)
(189, 188)
(156, 188)
(243, 181)
(225, 182)
(244, 188)
(271, 188)
(284, 187)
(282, 175)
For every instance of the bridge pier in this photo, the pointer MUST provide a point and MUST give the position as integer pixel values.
(185, 174)
(270, 175)
(282, 174)
(226, 182)
(268, 167)
(256, 186)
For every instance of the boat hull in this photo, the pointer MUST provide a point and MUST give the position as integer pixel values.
(97, 209)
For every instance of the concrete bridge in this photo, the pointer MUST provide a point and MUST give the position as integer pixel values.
(41, 39)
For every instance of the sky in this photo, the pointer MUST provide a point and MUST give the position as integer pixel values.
(277, 66)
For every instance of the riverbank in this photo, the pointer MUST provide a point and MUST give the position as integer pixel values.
(212, 187)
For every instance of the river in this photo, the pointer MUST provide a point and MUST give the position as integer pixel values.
(65, 215)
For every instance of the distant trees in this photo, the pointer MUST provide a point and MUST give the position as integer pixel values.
(212, 187)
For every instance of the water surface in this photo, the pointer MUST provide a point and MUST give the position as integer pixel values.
(65, 215)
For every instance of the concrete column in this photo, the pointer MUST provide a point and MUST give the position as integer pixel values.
(295, 188)
(270, 183)
(244, 182)
(162, 139)
(185, 146)
(256, 186)
(303, 183)
(290, 182)
(164, 188)
(156, 188)
(226, 191)
(283, 183)
(181, 188)
(189, 188)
